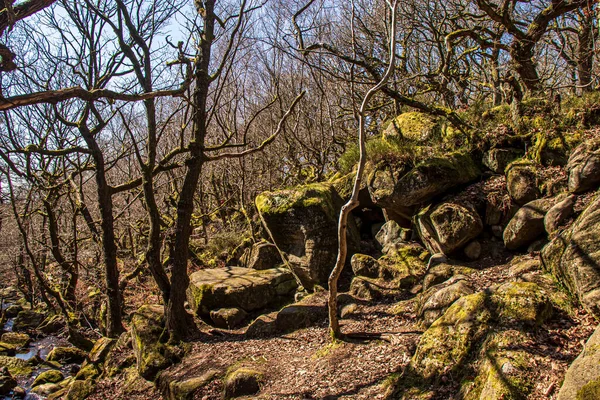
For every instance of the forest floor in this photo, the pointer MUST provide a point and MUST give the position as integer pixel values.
(306, 364)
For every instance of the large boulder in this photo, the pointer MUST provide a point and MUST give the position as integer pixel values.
(436, 300)
(365, 265)
(152, 356)
(27, 320)
(448, 226)
(228, 318)
(415, 126)
(303, 314)
(521, 302)
(248, 289)
(262, 255)
(303, 224)
(584, 167)
(527, 224)
(573, 257)
(67, 355)
(503, 369)
(446, 345)
(559, 213)
(17, 339)
(50, 376)
(498, 159)
(521, 182)
(391, 234)
(582, 381)
(7, 382)
(422, 183)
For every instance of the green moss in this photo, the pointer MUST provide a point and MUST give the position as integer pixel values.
(16, 366)
(590, 391)
(51, 376)
(447, 343)
(524, 302)
(404, 261)
(328, 349)
(415, 126)
(312, 195)
(88, 371)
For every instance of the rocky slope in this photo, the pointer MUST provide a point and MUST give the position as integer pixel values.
(472, 275)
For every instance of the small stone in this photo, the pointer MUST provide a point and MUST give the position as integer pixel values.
(19, 392)
(13, 311)
(497, 231)
(348, 310)
(473, 250)
(242, 382)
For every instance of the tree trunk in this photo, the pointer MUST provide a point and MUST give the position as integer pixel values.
(114, 323)
(178, 320)
(522, 55)
(585, 52)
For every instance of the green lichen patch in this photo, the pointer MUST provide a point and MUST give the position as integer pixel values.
(590, 391)
(312, 195)
(523, 302)
(447, 344)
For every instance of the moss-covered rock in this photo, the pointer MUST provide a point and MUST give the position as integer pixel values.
(101, 349)
(584, 167)
(390, 235)
(52, 325)
(184, 388)
(502, 371)
(527, 224)
(365, 265)
(442, 272)
(46, 389)
(521, 182)
(7, 349)
(50, 376)
(27, 320)
(13, 310)
(261, 255)
(558, 214)
(242, 382)
(80, 390)
(303, 224)
(522, 302)
(448, 227)
(404, 263)
(7, 382)
(582, 381)
(498, 159)
(437, 299)
(16, 366)
(147, 325)
(425, 181)
(573, 257)
(228, 318)
(17, 339)
(67, 355)
(244, 288)
(414, 125)
(447, 344)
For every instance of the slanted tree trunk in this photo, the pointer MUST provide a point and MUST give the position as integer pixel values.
(334, 326)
